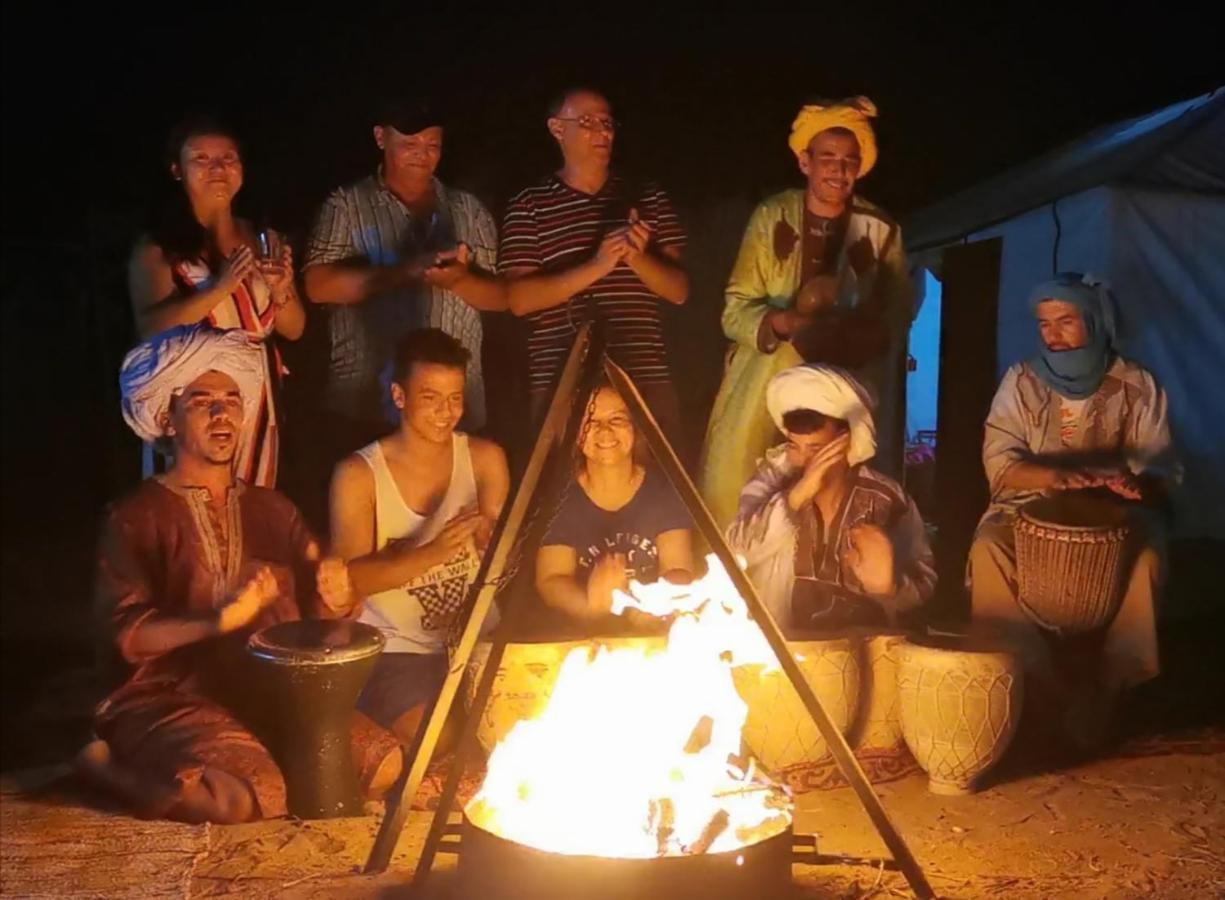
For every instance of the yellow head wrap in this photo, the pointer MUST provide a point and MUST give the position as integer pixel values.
(852, 114)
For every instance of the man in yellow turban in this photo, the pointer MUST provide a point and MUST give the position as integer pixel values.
(821, 277)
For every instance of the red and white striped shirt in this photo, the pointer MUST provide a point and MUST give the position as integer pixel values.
(250, 308)
(552, 227)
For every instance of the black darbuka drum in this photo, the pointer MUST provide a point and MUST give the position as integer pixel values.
(311, 673)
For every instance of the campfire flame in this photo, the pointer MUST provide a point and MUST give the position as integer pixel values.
(638, 752)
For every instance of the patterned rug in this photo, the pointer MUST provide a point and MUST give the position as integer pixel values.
(881, 765)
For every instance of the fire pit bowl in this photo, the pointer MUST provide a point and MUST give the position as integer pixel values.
(494, 868)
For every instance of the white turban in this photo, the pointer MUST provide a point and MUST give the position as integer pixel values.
(832, 392)
(164, 365)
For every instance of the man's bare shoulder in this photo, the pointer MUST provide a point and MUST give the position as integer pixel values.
(353, 475)
(486, 453)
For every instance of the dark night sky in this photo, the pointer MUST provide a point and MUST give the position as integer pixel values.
(706, 97)
(706, 100)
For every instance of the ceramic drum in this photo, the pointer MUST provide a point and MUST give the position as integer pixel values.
(525, 679)
(1070, 561)
(878, 725)
(960, 701)
(779, 731)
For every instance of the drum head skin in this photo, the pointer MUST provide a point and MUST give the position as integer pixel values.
(1076, 510)
(316, 642)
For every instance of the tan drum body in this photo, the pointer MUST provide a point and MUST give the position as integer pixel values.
(525, 680)
(878, 725)
(959, 710)
(779, 730)
(1071, 562)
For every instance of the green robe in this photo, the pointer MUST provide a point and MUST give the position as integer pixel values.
(767, 275)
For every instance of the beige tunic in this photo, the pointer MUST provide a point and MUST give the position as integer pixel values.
(1123, 423)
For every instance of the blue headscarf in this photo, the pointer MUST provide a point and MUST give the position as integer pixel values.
(1077, 374)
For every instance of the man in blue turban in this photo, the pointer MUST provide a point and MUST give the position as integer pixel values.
(1077, 416)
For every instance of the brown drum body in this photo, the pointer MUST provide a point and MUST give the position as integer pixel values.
(1071, 561)
(310, 675)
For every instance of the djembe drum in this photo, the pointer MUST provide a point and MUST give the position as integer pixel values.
(1070, 561)
(311, 673)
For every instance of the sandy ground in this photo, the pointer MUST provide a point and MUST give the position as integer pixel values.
(1115, 828)
(1148, 821)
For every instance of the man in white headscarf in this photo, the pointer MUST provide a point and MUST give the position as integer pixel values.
(828, 541)
(189, 565)
(157, 371)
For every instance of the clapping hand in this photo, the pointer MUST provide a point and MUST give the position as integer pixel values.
(449, 266)
(607, 575)
(870, 558)
(237, 267)
(637, 235)
(260, 592)
(454, 537)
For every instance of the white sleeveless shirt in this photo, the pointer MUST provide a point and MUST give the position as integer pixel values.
(415, 617)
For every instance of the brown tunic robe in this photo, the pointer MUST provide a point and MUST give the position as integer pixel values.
(169, 551)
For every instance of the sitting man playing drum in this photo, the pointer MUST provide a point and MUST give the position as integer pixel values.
(190, 564)
(1076, 416)
(412, 513)
(828, 541)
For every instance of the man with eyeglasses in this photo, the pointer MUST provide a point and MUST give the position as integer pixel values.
(585, 244)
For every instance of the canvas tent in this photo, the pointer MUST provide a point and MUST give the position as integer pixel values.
(1140, 204)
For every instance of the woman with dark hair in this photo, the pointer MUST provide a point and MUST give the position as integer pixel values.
(198, 262)
(619, 519)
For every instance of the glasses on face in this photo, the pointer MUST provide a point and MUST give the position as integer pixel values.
(593, 123)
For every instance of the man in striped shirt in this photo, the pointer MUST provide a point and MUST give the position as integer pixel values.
(585, 244)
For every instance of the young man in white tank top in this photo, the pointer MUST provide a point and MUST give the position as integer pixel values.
(411, 514)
